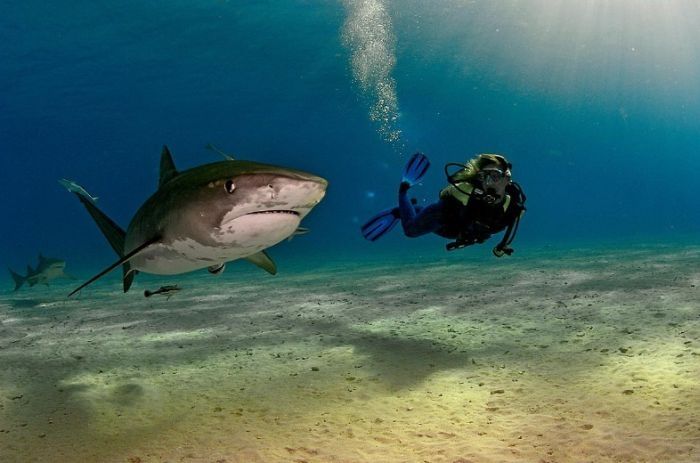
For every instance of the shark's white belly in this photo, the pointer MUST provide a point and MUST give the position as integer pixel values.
(237, 239)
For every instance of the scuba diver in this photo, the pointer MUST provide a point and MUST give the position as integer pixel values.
(480, 200)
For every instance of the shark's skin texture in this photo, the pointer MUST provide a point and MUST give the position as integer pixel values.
(212, 214)
(201, 224)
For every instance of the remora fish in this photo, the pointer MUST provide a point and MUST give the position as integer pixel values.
(73, 187)
(167, 290)
(48, 269)
(209, 215)
(213, 148)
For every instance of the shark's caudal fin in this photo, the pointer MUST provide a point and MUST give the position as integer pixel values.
(114, 234)
(19, 279)
(123, 261)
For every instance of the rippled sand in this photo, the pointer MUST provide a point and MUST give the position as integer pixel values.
(581, 356)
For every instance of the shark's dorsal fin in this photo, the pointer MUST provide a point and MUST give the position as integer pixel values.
(262, 260)
(121, 261)
(167, 167)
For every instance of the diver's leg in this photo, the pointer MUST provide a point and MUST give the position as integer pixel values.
(421, 221)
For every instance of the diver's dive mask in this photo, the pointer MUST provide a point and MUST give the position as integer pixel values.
(490, 176)
(482, 186)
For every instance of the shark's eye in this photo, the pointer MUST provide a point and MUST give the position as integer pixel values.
(230, 186)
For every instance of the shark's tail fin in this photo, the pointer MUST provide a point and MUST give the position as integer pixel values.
(114, 234)
(19, 279)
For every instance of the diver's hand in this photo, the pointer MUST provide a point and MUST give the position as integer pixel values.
(499, 251)
(403, 188)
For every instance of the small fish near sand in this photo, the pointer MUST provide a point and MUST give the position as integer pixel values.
(47, 270)
(167, 291)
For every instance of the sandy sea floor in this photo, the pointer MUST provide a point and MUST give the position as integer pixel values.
(579, 356)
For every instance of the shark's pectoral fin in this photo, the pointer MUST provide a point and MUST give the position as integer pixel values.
(121, 261)
(262, 260)
(216, 269)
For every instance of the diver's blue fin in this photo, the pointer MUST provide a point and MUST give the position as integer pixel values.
(415, 169)
(380, 224)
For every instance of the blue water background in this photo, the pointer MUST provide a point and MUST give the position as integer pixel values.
(597, 104)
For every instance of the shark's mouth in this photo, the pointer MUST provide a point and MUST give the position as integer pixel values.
(280, 211)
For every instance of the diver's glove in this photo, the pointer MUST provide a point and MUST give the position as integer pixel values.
(498, 251)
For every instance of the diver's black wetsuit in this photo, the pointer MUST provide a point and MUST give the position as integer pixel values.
(449, 218)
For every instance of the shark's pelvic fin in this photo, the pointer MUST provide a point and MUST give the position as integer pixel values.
(121, 261)
(129, 275)
(262, 260)
(167, 167)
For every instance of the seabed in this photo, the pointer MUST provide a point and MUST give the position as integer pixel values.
(580, 356)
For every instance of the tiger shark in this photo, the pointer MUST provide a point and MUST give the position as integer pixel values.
(47, 270)
(207, 216)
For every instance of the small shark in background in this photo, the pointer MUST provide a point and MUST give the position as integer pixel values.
(71, 186)
(48, 269)
(209, 215)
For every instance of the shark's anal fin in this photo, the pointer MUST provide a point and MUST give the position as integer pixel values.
(262, 260)
(121, 261)
(167, 167)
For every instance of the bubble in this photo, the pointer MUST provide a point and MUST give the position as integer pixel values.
(369, 36)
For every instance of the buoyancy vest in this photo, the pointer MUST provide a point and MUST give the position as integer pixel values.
(470, 220)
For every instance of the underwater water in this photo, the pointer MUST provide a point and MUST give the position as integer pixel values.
(581, 346)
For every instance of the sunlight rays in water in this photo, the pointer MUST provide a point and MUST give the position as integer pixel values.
(635, 52)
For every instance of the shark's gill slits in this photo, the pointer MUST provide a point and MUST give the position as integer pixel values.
(368, 34)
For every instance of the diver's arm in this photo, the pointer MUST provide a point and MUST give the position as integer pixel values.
(503, 247)
(427, 220)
